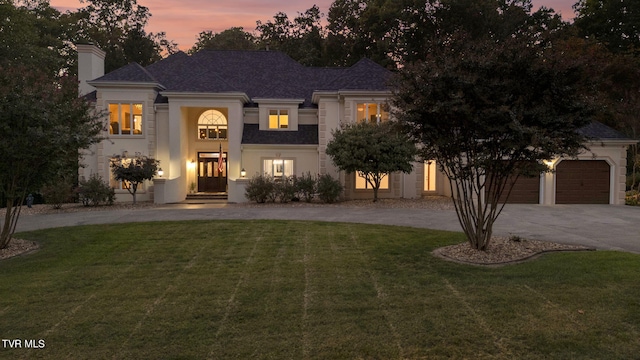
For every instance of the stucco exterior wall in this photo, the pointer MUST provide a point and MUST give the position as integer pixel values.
(305, 158)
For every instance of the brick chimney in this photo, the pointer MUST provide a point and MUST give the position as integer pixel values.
(90, 66)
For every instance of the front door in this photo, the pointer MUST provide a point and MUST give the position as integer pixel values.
(211, 176)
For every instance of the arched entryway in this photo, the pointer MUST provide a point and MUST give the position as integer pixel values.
(212, 164)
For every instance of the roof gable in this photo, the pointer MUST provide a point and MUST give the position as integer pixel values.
(132, 72)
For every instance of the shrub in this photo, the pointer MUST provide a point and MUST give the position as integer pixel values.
(306, 187)
(58, 193)
(95, 191)
(284, 189)
(632, 198)
(260, 188)
(329, 189)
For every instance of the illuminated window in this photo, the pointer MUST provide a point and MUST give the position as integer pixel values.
(278, 119)
(362, 184)
(278, 167)
(372, 112)
(430, 175)
(212, 125)
(125, 119)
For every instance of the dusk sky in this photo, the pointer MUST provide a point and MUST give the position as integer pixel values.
(183, 22)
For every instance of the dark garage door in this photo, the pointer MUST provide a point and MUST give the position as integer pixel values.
(582, 182)
(526, 190)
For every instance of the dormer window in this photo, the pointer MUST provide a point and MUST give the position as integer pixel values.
(212, 125)
(278, 119)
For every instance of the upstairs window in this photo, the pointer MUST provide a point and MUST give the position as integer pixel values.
(372, 112)
(212, 125)
(125, 119)
(278, 119)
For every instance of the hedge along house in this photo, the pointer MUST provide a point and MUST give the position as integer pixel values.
(212, 117)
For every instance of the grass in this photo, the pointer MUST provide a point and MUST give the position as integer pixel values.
(307, 290)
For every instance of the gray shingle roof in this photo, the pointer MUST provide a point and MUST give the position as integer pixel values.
(599, 131)
(129, 73)
(306, 135)
(259, 74)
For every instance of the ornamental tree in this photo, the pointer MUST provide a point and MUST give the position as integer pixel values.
(372, 150)
(43, 124)
(133, 171)
(491, 110)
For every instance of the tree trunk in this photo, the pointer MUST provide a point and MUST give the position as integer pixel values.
(475, 213)
(10, 221)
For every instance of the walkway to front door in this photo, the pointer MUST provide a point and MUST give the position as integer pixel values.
(210, 178)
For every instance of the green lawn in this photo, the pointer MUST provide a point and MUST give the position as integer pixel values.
(307, 290)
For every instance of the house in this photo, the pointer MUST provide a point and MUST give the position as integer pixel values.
(216, 118)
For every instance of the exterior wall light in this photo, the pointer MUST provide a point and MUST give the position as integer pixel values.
(549, 163)
(160, 172)
(243, 173)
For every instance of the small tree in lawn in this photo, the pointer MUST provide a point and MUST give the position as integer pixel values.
(491, 110)
(373, 150)
(133, 171)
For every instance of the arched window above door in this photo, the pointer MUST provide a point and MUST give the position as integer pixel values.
(212, 125)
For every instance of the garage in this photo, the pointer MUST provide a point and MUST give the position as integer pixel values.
(526, 190)
(582, 182)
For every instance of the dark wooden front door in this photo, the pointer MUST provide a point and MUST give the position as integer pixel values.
(210, 178)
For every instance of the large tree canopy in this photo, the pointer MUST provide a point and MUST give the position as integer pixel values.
(234, 38)
(614, 22)
(43, 123)
(118, 28)
(489, 110)
(302, 38)
(32, 34)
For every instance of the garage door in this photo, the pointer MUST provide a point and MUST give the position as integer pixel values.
(582, 182)
(526, 190)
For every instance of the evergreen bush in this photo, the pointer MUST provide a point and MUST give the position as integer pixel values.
(260, 188)
(95, 191)
(306, 187)
(329, 189)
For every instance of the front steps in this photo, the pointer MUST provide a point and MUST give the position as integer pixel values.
(206, 197)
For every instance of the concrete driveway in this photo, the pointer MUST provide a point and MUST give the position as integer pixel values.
(599, 226)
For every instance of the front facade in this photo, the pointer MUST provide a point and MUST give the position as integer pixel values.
(216, 118)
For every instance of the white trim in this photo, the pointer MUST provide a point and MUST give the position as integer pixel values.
(125, 84)
(278, 101)
(196, 96)
(612, 172)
